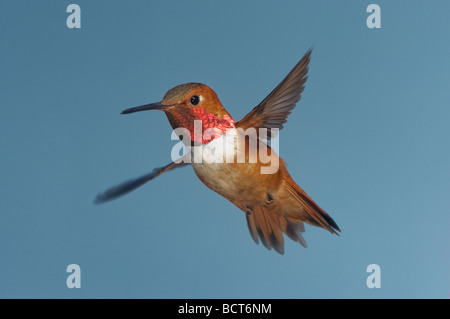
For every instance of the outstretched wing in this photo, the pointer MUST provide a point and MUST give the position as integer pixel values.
(128, 186)
(273, 111)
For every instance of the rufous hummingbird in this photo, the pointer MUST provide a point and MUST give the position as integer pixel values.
(273, 203)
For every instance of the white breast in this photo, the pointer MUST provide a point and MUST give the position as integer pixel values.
(219, 150)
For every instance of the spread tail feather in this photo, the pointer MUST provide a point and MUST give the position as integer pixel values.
(268, 228)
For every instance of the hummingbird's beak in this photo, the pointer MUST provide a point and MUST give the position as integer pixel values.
(152, 106)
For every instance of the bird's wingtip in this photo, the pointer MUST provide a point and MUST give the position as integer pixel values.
(98, 200)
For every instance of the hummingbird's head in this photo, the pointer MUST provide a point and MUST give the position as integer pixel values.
(190, 102)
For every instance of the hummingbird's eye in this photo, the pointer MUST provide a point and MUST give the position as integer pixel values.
(195, 99)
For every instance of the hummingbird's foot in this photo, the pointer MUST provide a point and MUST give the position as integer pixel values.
(269, 199)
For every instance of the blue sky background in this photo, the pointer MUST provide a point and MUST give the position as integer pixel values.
(369, 141)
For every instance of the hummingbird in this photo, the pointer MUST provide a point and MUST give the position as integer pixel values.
(273, 203)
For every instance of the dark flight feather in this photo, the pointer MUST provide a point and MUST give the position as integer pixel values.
(128, 186)
(273, 111)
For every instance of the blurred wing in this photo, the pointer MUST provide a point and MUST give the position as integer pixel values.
(128, 186)
(273, 111)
